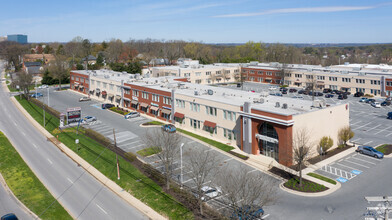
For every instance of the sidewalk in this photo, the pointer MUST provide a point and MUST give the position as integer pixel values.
(146, 210)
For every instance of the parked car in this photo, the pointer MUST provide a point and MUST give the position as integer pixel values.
(389, 115)
(107, 105)
(327, 90)
(36, 95)
(370, 151)
(210, 192)
(284, 91)
(238, 85)
(370, 101)
(9, 216)
(388, 99)
(328, 96)
(89, 119)
(376, 104)
(363, 99)
(132, 115)
(358, 94)
(43, 86)
(169, 128)
(342, 96)
(318, 94)
(273, 88)
(85, 98)
(347, 93)
(385, 103)
(292, 90)
(247, 212)
(301, 91)
(297, 97)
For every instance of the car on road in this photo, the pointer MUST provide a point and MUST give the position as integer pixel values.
(292, 90)
(89, 119)
(328, 96)
(85, 98)
(169, 128)
(210, 192)
(376, 104)
(276, 94)
(389, 115)
(36, 95)
(9, 216)
(284, 91)
(318, 94)
(358, 94)
(132, 115)
(363, 99)
(248, 212)
(369, 151)
(107, 105)
(301, 91)
(238, 85)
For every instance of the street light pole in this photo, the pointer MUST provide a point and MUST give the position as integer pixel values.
(48, 95)
(182, 144)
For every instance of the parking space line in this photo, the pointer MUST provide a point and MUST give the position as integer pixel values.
(356, 123)
(362, 126)
(347, 166)
(360, 155)
(356, 140)
(228, 159)
(373, 128)
(367, 142)
(251, 171)
(388, 134)
(363, 160)
(357, 164)
(384, 129)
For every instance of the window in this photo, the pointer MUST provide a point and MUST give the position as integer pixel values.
(210, 129)
(228, 115)
(198, 73)
(98, 83)
(288, 74)
(333, 78)
(187, 74)
(251, 78)
(236, 71)
(244, 71)
(269, 73)
(135, 92)
(346, 80)
(210, 111)
(252, 71)
(92, 82)
(111, 86)
(260, 72)
(375, 82)
(155, 98)
(208, 73)
(195, 123)
(298, 75)
(77, 78)
(218, 72)
(118, 88)
(127, 91)
(180, 103)
(229, 134)
(389, 83)
(72, 77)
(259, 79)
(320, 77)
(198, 81)
(194, 107)
(145, 95)
(309, 76)
(361, 81)
(104, 85)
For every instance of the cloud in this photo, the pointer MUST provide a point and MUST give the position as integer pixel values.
(300, 10)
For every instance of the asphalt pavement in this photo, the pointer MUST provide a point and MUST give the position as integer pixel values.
(82, 195)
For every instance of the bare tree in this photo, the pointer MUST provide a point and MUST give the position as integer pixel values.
(166, 146)
(345, 134)
(311, 83)
(246, 192)
(58, 68)
(203, 167)
(115, 47)
(12, 53)
(24, 81)
(213, 77)
(301, 150)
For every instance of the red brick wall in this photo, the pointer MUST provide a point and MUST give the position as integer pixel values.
(85, 83)
(264, 75)
(388, 88)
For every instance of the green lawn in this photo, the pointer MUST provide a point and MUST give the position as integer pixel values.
(153, 123)
(307, 186)
(148, 151)
(31, 88)
(25, 185)
(132, 180)
(217, 144)
(315, 175)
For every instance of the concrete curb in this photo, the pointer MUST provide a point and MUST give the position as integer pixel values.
(317, 194)
(22, 205)
(146, 210)
(385, 156)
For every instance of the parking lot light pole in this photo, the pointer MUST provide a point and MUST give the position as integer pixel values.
(48, 95)
(182, 144)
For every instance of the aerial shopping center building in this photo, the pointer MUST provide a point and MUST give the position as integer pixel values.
(254, 122)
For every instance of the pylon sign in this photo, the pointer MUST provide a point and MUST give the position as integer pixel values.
(74, 115)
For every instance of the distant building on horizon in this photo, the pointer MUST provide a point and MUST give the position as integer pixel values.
(20, 38)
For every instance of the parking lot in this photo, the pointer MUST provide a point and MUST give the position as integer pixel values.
(349, 167)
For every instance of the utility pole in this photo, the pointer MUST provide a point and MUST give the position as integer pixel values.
(115, 147)
(182, 144)
(36, 88)
(48, 96)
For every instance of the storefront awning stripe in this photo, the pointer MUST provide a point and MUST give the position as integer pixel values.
(143, 105)
(166, 111)
(134, 102)
(154, 108)
(209, 124)
(179, 115)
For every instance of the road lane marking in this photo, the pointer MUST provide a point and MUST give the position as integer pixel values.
(357, 164)
(265, 216)
(384, 129)
(356, 123)
(50, 161)
(228, 159)
(101, 209)
(388, 135)
(35, 146)
(15, 124)
(69, 180)
(208, 150)
(363, 156)
(251, 171)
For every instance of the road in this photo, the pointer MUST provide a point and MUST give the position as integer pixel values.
(346, 203)
(80, 193)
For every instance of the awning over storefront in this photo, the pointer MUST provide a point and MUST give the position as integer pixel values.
(81, 87)
(218, 78)
(92, 91)
(166, 111)
(320, 82)
(110, 95)
(268, 78)
(154, 108)
(104, 92)
(118, 97)
(143, 105)
(179, 115)
(126, 99)
(209, 124)
(134, 102)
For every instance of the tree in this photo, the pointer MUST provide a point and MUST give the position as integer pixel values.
(48, 49)
(12, 53)
(24, 82)
(166, 146)
(58, 69)
(311, 83)
(324, 144)
(345, 134)
(203, 167)
(246, 192)
(301, 150)
(115, 47)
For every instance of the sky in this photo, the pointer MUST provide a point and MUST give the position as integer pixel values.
(207, 21)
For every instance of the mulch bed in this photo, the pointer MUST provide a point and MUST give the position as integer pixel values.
(387, 149)
(329, 154)
(282, 173)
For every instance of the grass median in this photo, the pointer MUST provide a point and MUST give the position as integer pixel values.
(323, 178)
(104, 160)
(216, 144)
(26, 186)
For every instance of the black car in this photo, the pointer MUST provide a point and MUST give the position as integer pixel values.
(338, 92)
(342, 96)
(385, 103)
(328, 96)
(301, 91)
(358, 94)
(238, 85)
(370, 101)
(389, 115)
(284, 91)
(292, 90)
(327, 90)
(107, 105)
(318, 94)
(348, 93)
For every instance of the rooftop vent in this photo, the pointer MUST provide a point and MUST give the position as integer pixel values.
(196, 92)
(277, 104)
(284, 106)
(210, 92)
(258, 100)
(124, 72)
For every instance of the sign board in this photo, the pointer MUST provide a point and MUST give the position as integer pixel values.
(135, 98)
(266, 138)
(62, 116)
(74, 115)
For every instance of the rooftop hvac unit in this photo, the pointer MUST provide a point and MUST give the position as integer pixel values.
(277, 104)
(284, 106)
(384, 70)
(258, 100)
(210, 92)
(124, 72)
(94, 74)
(106, 76)
(196, 92)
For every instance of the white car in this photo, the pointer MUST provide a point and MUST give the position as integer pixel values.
(273, 88)
(132, 115)
(376, 104)
(84, 98)
(89, 119)
(210, 192)
(43, 86)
